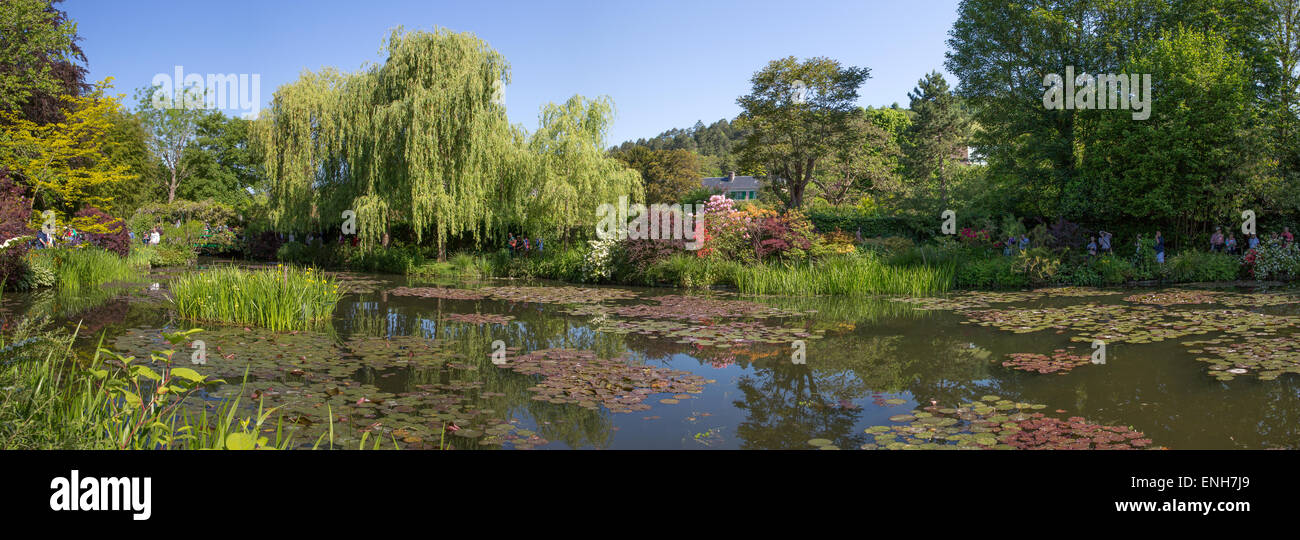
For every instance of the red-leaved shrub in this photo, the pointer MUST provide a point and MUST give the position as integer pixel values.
(104, 231)
(15, 210)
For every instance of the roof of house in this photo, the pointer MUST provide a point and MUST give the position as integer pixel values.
(741, 183)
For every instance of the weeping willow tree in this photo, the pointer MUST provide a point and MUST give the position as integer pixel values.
(293, 136)
(572, 172)
(423, 140)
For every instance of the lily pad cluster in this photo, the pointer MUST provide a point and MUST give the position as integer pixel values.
(445, 293)
(699, 308)
(1266, 359)
(621, 386)
(1060, 362)
(997, 423)
(1168, 298)
(982, 299)
(311, 376)
(1130, 323)
(558, 295)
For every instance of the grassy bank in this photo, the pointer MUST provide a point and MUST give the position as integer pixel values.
(281, 299)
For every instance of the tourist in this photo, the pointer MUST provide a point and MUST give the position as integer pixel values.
(527, 247)
(1216, 240)
(1024, 242)
(1231, 245)
(1105, 241)
(539, 245)
(155, 237)
(1092, 247)
(1286, 235)
(514, 244)
(1160, 248)
(1011, 244)
(43, 240)
(1253, 241)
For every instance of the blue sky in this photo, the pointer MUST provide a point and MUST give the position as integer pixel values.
(666, 64)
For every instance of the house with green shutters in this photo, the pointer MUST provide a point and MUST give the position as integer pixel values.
(734, 187)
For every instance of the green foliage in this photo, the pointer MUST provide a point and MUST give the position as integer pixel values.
(690, 271)
(1277, 260)
(850, 221)
(845, 275)
(162, 255)
(667, 175)
(39, 272)
(989, 273)
(281, 299)
(1193, 266)
(77, 268)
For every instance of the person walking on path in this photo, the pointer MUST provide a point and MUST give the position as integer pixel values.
(1216, 240)
(1231, 245)
(1104, 243)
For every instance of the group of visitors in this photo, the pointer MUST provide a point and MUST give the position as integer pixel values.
(523, 245)
(1100, 244)
(1014, 245)
(1219, 245)
(69, 237)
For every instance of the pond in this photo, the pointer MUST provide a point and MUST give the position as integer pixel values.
(511, 364)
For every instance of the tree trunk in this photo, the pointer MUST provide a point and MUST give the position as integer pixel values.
(171, 188)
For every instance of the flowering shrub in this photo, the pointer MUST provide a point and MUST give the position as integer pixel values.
(598, 263)
(751, 233)
(972, 237)
(1274, 260)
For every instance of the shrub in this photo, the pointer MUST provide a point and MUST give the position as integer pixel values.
(1112, 269)
(263, 246)
(599, 261)
(689, 271)
(15, 211)
(103, 231)
(1275, 260)
(1202, 266)
(39, 272)
(1039, 265)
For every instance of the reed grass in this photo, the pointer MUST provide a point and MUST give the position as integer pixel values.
(844, 275)
(284, 298)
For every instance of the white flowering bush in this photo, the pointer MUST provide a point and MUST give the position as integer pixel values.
(1276, 260)
(598, 264)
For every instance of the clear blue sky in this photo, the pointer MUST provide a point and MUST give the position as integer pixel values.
(666, 64)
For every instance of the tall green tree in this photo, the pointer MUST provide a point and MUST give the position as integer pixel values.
(39, 58)
(171, 121)
(798, 113)
(667, 175)
(1196, 160)
(867, 163)
(221, 161)
(936, 136)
